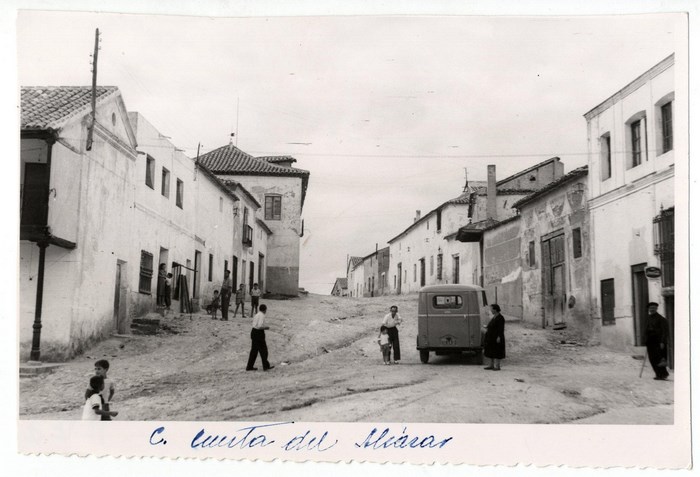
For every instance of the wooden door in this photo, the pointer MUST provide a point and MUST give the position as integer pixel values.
(558, 294)
(640, 298)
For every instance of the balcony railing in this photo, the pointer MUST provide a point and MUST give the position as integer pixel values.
(247, 235)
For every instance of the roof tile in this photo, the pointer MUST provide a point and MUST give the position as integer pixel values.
(44, 107)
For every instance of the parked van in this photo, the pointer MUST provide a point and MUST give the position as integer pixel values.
(450, 320)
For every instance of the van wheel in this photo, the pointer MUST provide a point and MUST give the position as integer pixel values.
(424, 355)
(479, 357)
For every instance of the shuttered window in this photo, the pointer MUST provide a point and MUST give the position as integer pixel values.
(145, 272)
(576, 239)
(273, 207)
(607, 301)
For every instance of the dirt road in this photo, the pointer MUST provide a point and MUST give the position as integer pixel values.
(328, 368)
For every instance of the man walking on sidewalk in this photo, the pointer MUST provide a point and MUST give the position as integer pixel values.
(226, 288)
(258, 344)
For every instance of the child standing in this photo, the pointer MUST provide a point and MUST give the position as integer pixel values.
(254, 298)
(384, 344)
(93, 401)
(240, 300)
(101, 368)
(214, 305)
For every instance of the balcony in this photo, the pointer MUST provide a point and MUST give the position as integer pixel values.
(247, 235)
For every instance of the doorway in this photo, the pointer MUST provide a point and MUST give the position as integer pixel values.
(398, 286)
(554, 279)
(196, 280)
(251, 275)
(669, 303)
(422, 272)
(234, 273)
(119, 317)
(640, 298)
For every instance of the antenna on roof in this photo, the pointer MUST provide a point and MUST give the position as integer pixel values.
(466, 180)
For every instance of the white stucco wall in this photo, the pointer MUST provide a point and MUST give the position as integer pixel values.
(624, 205)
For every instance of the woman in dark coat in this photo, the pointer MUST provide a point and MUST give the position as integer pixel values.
(495, 340)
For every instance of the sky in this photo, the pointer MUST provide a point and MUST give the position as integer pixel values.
(386, 112)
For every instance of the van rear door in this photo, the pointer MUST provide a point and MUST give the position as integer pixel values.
(448, 326)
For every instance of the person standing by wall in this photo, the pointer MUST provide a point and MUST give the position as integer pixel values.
(160, 286)
(258, 343)
(226, 288)
(656, 338)
(495, 340)
(391, 321)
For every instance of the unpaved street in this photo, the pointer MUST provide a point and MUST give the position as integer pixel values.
(334, 372)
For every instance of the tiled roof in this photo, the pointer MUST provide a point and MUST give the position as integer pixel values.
(529, 169)
(355, 261)
(500, 191)
(470, 232)
(231, 160)
(45, 107)
(576, 173)
(342, 282)
(276, 159)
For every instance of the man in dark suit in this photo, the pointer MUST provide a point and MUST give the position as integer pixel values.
(656, 338)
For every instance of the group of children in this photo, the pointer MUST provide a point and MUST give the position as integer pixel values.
(255, 293)
(99, 394)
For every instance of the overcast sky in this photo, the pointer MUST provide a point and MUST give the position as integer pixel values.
(385, 112)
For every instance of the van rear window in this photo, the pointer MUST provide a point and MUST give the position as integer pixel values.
(447, 301)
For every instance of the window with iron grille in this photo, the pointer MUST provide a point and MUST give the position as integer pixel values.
(273, 207)
(145, 272)
(664, 224)
(667, 126)
(439, 266)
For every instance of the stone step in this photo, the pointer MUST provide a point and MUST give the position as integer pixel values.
(34, 369)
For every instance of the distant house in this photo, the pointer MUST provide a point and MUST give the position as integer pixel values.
(281, 190)
(355, 276)
(340, 287)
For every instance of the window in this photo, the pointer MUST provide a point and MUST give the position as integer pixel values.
(576, 238)
(455, 268)
(179, 193)
(165, 183)
(439, 266)
(664, 229)
(636, 131)
(447, 301)
(531, 253)
(605, 157)
(150, 170)
(145, 272)
(245, 215)
(211, 266)
(667, 126)
(607, 301)
(273, 207)
(439, 221)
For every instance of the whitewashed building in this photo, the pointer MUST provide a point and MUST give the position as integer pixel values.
(631, 183)
(106, 215)
(280, 189)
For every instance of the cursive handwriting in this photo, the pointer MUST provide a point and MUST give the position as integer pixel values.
(387, 439)
(245, 437)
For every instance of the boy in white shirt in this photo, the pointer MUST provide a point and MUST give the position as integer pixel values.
(92, 411)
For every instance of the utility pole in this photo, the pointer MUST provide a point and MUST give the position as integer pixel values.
(93, 100)
(196, 161)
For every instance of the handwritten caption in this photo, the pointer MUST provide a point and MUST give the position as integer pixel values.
(292, 438)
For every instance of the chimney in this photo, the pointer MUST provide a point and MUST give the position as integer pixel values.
(491, 192)
(417, 216)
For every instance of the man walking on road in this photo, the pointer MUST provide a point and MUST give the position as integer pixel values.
(391, 321)
(258, 344)
(226, 287)
(657, 341)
